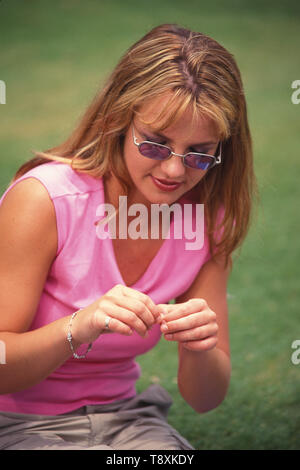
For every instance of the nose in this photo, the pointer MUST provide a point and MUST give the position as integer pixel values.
(173, 168)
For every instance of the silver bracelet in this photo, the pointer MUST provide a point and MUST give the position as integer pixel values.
(70, 337)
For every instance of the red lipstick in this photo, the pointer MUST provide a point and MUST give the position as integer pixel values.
(165, 185)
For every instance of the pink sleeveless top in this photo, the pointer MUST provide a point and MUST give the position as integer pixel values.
(84, 269)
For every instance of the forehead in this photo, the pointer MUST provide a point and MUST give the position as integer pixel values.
(173, 115)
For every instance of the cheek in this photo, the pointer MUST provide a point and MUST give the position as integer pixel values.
(195, 176)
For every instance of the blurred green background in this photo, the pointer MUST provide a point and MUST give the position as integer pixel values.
(54, 57)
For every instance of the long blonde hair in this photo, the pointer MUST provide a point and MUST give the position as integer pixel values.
(200, 73)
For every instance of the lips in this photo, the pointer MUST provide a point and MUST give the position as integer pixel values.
(165, 185)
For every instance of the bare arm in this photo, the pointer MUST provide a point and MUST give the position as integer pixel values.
(28, 245)
(199, 322)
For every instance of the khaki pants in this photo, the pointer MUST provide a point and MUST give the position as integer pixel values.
(133, 424)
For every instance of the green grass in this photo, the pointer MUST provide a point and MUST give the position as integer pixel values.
(54, 57)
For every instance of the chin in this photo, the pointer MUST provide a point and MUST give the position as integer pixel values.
(164, 198)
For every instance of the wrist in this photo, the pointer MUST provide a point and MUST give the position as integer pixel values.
(74, 344)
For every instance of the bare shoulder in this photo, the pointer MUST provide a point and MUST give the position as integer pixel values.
(27, 209)
(27, 213)
(29, 190)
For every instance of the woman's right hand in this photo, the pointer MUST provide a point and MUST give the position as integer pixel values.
(127, 308)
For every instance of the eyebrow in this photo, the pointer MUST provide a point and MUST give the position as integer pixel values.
(162, 136)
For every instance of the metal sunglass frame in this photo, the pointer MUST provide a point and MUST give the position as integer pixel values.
(217, 159)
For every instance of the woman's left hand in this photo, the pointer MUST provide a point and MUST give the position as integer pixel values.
(192, 323)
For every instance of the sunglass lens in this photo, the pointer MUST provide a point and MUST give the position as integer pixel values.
(198, 162)
(154, 151)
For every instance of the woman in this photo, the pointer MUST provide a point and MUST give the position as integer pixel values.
(77, 306)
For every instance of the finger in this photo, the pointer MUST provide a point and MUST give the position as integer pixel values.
(162, 311)
(194, 334)
(202, 345)
(176, 311)
(115, 325)
(124, 315)
(133, 293)
(187, 322)
(138, 307)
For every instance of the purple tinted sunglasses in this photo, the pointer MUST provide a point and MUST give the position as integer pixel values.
(198, 161)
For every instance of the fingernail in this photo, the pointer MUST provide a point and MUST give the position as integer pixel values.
(164, 327)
